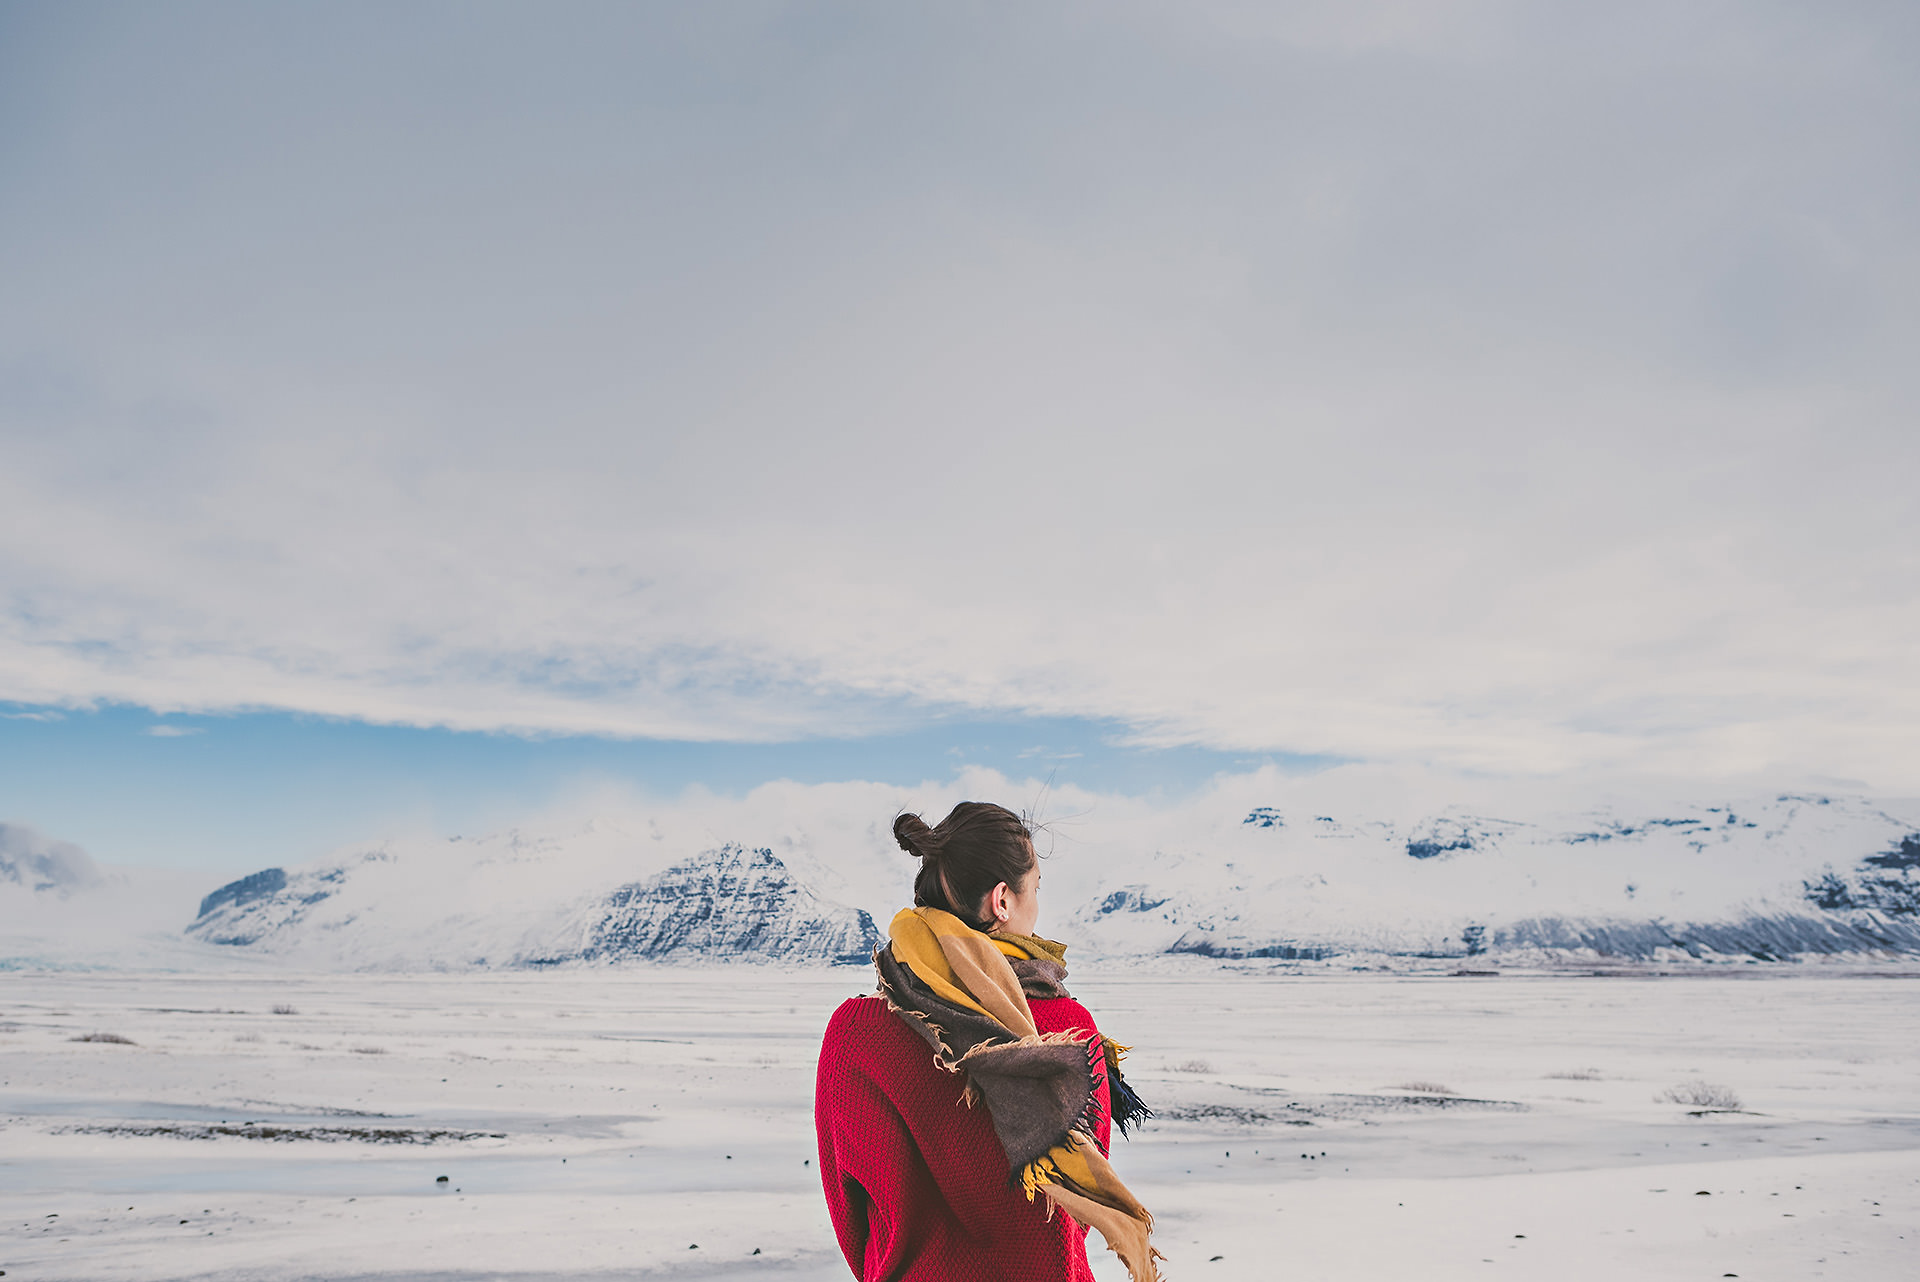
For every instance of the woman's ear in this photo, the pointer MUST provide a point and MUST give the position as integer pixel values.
(997, 903)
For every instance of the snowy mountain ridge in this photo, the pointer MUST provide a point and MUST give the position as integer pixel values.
(730, 902)
(725, 902)
(1785, 876)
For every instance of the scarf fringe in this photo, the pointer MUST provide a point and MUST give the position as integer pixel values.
(1046, 1170)
(1129, 1110)
(1123, 1222)
(972, 1093)
(1084, 1133)
(942, 1053)
(1126, 1231)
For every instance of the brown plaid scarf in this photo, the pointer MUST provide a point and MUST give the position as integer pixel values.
(966, 993)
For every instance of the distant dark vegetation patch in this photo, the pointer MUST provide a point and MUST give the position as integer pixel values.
(284, 1134)
(114, 1038)
(1429, 849)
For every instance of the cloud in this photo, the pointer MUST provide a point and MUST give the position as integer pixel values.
(43, 863)
(1527, 393)
(172, 732)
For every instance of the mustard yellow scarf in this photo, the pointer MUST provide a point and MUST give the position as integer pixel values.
(958, 988)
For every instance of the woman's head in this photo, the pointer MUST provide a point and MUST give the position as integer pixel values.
(978, 864)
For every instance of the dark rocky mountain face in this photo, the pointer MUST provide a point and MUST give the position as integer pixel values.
(269, 904)
(1200, 944)
(1904, 857)
(725, 904)
(1131, 899)
(1761, 937)
(259, 885)
(1881, 897)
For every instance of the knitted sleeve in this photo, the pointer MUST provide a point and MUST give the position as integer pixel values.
(870, 1166)
(841, 1096)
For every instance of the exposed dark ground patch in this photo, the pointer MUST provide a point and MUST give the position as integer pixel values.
(287, 1134)
(1228, 1102)
(1228, 1113)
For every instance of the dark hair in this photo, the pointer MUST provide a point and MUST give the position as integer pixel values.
(973, 849)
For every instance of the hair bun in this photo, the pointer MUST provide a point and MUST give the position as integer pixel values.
(914, 836)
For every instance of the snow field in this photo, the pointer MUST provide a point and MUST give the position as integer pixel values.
(656, 1122)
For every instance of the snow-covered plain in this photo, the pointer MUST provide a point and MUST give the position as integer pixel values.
(655, 1121)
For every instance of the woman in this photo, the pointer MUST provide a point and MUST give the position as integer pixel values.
(932, 1161)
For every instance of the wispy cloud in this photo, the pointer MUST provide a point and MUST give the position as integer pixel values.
(173, 732)
(1524, 392)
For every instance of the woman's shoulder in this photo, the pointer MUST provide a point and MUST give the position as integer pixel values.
(860, 1019)
(855, 1010)
(1059, 1014)
(866, 1039)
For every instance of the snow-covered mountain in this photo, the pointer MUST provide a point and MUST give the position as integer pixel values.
(1773, 878)
(1767, 878)
(728, 902)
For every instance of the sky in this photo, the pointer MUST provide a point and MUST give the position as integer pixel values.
(703, 394)
(228, 794)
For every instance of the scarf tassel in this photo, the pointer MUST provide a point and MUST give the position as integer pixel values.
(1041, 1170)
(1044, 1169)
(1128, 1109)
(1122, 1221)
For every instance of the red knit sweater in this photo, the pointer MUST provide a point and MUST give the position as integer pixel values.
(916, 1181)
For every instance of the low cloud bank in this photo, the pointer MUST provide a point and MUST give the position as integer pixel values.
(41, 863)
